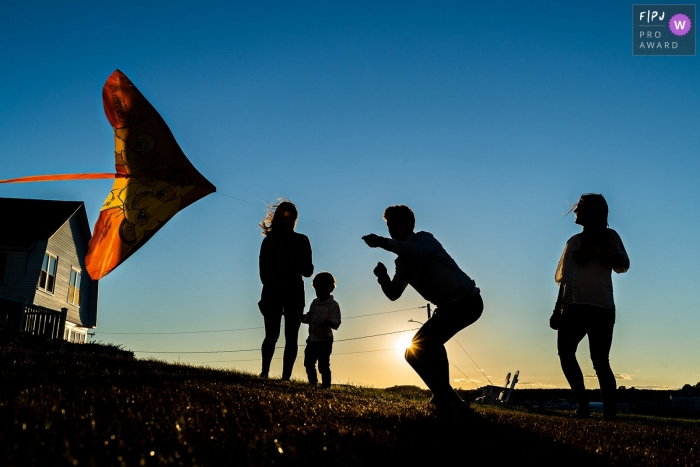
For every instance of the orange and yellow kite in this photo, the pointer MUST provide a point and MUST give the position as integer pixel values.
(153, 180)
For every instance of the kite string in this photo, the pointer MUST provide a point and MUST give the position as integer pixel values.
(470, 358)
(306, 219)
(465, 375)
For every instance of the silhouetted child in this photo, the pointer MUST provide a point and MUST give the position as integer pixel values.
(322, 318)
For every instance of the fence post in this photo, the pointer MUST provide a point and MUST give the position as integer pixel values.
(428, 307)
(23, 313)
(62, 324)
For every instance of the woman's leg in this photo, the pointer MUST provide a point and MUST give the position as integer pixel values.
(571, 331)
(273, 320)
(600, 336)
(291, 339)
(427, 354)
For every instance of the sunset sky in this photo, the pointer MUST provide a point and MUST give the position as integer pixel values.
(489, 119)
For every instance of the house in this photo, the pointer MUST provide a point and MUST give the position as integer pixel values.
(42, 260)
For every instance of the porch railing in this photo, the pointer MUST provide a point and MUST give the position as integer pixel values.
(33, 319)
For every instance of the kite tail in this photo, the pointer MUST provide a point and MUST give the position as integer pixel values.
(59, 177)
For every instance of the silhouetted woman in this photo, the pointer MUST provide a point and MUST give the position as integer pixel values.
(285, 256)
(585, 305)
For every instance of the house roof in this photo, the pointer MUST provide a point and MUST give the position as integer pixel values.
(30, 220)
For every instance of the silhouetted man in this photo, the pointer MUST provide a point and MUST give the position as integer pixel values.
(423, 263)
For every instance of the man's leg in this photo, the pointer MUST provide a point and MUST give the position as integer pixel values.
(600, 336)
(324, 362)
(291, 338)
(571, 332)
(273, 321)
(310, 357)
(427, 354)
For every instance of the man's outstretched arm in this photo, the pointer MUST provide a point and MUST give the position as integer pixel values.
(423, 244)
(376, 241)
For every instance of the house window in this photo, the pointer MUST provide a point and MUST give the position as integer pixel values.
(4, 256)
(47, 279)
(74, 288)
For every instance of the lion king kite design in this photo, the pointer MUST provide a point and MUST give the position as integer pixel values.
(154, 180)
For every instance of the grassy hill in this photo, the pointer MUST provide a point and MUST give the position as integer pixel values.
(59, 407)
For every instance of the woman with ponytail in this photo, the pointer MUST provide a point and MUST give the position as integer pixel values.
(585, 305)
(285, 256)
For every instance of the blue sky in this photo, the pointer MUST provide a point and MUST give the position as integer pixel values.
(488, 119)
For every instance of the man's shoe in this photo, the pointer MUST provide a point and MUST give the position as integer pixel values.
(263, 374)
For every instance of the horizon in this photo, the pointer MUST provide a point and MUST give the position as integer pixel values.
(488, 125)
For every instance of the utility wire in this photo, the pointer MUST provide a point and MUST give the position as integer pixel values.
(382, 313)
(244, 329)
(339, 340)
(181, 332)
(298, 356)
(375, 335)
(258, 349)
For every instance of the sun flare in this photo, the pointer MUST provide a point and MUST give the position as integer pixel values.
(403, 342)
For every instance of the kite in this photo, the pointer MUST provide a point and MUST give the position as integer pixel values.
(154, 180)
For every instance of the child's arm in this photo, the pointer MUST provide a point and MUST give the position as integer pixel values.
(308, 317)
(334, 322)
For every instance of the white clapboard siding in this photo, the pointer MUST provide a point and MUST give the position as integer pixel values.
(67, 245)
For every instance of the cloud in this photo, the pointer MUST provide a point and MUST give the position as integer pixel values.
(535, 385)
(466, 380)
(624, 376)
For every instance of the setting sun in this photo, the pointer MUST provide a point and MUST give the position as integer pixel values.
(403, 342)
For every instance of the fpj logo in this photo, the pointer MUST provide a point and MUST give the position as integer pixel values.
(663, 29)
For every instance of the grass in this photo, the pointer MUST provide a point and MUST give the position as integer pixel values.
(109, 409)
